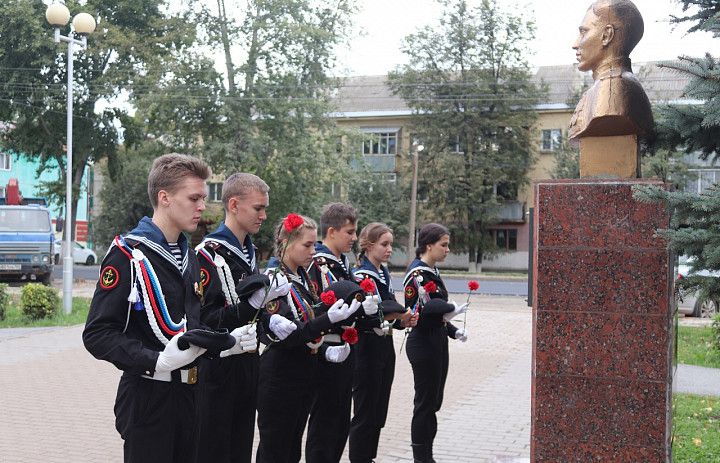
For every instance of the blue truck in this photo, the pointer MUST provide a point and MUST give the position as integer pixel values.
(26, 237)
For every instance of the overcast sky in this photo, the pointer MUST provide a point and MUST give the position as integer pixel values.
(381, 26)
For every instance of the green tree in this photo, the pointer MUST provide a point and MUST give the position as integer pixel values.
(124, 198)
(473, 102)
(695, 129)
(127, 51)
(274, 108)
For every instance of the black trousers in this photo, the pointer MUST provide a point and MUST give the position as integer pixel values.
(374, 373)
(156, 419)
(283, 402)
(329, 423)
(226, 403)
(427, 350)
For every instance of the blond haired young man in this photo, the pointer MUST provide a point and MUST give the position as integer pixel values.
(148, 295)
(228, 385)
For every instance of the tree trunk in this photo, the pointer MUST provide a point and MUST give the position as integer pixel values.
(225, 38)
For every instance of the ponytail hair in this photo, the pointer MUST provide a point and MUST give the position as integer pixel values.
(369, 235)
(430, 234)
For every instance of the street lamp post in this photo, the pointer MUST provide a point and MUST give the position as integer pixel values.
(58, 15)
(417, 149)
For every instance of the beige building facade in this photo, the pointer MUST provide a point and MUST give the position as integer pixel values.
(367, 105)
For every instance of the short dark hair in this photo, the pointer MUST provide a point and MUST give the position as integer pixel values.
(169, 170)
(336, 215)
(430, 234)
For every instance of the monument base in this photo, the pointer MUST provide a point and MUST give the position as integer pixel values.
(610, 157)
(603, 324)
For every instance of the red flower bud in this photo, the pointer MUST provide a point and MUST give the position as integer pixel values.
(328, 298)
(473, 285)
(430, 287)
(292, 222)
(350, 336)
(368, 285)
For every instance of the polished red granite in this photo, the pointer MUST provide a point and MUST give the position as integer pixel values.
(603, 325)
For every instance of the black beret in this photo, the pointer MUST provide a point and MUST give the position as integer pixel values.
(391, 307)
(213, 341)
(248, 285)
(347, 290)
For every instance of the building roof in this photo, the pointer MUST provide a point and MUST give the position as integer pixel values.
(371, 96)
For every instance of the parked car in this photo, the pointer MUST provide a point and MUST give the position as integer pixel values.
(81, 254)
(691, 304)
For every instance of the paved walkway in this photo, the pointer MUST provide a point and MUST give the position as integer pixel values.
(56, 401)
(691, 379)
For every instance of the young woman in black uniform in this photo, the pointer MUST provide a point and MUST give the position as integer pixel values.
(374, 352)
(427, 344)
(292, 333)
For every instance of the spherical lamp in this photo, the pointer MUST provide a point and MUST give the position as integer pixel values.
(83, 23)
(57, 14)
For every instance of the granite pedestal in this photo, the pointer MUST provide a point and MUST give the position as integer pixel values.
(603, 324)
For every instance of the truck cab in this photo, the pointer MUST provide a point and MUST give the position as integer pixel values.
(26, 237)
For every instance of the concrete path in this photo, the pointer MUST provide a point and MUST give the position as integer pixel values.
(691, 379)
(56, 401)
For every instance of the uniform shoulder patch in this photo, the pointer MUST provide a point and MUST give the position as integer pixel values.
(272, 307)
(410, 292)
(109, 277)
(204, 277)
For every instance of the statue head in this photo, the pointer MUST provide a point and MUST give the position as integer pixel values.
(610, 30)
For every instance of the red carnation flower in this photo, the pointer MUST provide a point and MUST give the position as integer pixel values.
(367, 285)
(473, 285)
(430, 287)
(328, 298)
(292, 222)
(350, 336)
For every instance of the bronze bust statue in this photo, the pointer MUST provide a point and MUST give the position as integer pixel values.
(616, 104)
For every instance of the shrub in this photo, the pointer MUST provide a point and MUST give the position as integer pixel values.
(716, 331)
(39, 301)
(4, 300)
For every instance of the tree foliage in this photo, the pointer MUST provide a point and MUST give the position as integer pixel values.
(268, 113)
(696, 129)
(473, 102)
(126, 53)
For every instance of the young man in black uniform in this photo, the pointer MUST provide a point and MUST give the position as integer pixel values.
(329, 423)
(227, 389)
(148, 295)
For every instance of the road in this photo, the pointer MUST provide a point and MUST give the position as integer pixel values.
(80, 272)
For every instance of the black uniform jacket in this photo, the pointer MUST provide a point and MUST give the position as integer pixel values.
(310, 327)
(217, 312)
(434, 304)
(327, 269)
(383, 283)
(120, 331)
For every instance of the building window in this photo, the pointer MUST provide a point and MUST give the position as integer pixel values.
(455, 144)
(551, 139)
(705, 179)
(506, 239)
(5, 161)
(215, 192)
(380, 144)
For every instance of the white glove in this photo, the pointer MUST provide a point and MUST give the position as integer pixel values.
(340, 311)
(461, 335)
(279, 287)
(281, 326)
(370, 304)
(172, 358)
(245, 341)
(337, 354)
(459, 309)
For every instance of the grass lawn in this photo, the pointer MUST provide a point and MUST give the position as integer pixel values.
(695, 347)
(14, 317)
(696, 428)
